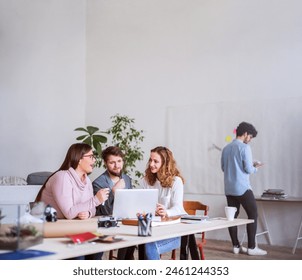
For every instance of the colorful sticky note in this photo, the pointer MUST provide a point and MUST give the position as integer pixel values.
(228, 138)
(234, 131)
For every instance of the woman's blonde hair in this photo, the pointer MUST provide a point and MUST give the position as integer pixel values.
(167, 171)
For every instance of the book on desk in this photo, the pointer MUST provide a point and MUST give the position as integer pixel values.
(274, 194)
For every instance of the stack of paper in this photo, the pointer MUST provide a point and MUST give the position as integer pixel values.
(274, 194)
(158, 221)
(195, 217)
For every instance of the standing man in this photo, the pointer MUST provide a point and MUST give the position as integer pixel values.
(113, 178)
(237, 165)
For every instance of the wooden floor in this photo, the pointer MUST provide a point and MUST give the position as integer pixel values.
(222, 250)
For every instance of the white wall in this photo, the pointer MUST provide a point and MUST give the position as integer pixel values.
(214, 123)
(143, 56)
(146, 56)
(42, 82)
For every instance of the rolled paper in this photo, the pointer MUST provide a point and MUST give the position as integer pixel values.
(61, 228)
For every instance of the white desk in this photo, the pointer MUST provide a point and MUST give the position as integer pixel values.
(263, 220)
(63, 249)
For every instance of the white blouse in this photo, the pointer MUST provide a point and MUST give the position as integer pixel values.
(171, 198)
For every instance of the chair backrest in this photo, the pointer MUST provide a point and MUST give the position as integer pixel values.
(192, 206)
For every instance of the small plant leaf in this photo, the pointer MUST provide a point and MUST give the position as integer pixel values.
(81, 137)
(92, 129)
(81, 129)
(88, 141)
(100, 138)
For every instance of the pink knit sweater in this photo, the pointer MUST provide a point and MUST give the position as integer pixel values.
(66, 193)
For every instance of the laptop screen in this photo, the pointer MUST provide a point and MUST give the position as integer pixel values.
(129, 202)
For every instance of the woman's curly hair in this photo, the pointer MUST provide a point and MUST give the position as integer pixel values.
(167, 171)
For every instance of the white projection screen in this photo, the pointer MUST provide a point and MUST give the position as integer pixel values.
(196, 134)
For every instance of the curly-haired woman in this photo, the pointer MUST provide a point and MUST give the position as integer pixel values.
(162, 174)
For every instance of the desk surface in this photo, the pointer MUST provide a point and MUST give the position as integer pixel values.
(287, 199)
(64, 249)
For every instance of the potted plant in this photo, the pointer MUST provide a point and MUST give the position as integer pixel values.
(129, 139)
(124, 135)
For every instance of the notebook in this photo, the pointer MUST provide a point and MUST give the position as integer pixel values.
(83, 237)
(128, 202)
(24, 254)
(195, 217)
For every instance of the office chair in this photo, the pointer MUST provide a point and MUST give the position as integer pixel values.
(191, 207)
(111, 255)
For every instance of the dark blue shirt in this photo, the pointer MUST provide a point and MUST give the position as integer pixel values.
(104, 181)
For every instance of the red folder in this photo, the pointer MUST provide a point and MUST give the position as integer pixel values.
(83, 237)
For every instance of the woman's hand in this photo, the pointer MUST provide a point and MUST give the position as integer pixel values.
(102, 195)
(83, 215)
(160, 210)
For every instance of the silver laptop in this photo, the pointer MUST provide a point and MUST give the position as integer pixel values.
(129, 202)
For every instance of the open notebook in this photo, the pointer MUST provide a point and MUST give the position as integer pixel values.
(129, 202)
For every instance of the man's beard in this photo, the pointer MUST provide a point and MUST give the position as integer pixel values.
(245, 140)
(117, 174)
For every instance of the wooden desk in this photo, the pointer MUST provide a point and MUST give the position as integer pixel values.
(263, 220)
(63, 249)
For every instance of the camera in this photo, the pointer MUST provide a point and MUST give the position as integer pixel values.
(107, 222)
(50, 214)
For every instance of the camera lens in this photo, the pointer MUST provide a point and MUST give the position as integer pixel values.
(107, 224)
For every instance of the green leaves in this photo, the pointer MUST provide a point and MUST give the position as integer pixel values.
(129, 139)
(81, 137)
(95, 138)
(124, 135)
(100, 138)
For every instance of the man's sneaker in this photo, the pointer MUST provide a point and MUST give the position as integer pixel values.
(256, 252)
(237, 250)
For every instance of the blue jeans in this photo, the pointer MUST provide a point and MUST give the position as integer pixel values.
(154, 249)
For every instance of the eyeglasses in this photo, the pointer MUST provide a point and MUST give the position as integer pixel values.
(92, 156)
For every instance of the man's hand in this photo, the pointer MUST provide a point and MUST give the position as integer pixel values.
(120, 184)
(258, 164)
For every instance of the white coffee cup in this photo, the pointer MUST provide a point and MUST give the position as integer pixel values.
(230, 212)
